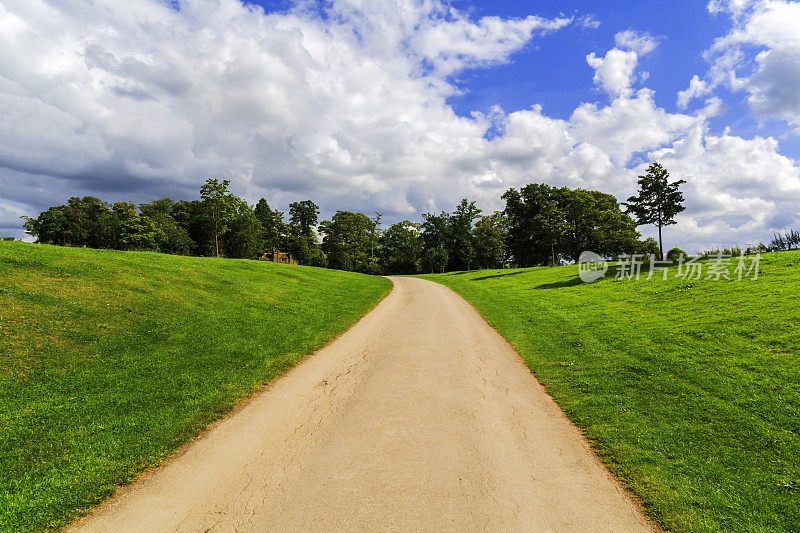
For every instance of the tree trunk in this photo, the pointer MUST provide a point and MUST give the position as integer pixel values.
(216, 244)
(553, 251)
(660, 246)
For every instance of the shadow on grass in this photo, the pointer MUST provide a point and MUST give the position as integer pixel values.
(560, 284)
(499, 275)
(612, 273)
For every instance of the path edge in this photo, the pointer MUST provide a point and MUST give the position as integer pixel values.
(121, 490)
(588, 443)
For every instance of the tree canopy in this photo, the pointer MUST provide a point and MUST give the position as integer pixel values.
(539, 225)
(547, 225)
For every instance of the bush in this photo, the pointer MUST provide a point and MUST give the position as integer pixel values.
(317, 258)
(373, 268)
(648, 246)
(759, 248)
(788, 240)
(675, 253)
(724, 250)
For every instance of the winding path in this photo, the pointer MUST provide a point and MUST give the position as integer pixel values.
(420, 417)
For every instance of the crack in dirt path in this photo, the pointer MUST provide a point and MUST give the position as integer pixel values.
(421, 417)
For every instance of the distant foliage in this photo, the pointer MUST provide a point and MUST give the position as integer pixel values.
(787, 240)
(400, 248)
(491, 250)
(219, 207)
(675, 253)
(781, 242)
(546, 223)
(721, 251)
(540, 225)
(649, 247)
(347, 241)
(220, 223)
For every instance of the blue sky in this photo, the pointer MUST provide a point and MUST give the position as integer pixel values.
(553, 72)
(404, 106)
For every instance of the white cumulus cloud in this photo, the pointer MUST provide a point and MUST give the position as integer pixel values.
(639, 42)
(760, 55)
(614, 72)
(133, 99)
(697, 87)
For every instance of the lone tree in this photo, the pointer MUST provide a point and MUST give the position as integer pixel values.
(219, 211)
(658, 201)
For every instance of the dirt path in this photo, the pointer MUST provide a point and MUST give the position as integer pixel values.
(421, 417)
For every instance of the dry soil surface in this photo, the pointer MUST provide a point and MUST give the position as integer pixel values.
(420, 417)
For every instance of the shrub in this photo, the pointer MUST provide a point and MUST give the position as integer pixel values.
(675, 253)
(788, 240)
(724, 250)
(648, 246)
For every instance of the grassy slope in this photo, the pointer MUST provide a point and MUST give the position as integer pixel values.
(690, 391)
(110, 360)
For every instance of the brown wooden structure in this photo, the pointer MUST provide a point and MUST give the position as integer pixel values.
(276, 256)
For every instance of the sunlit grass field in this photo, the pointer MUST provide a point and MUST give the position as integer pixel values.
(689, 390)
(110, 360)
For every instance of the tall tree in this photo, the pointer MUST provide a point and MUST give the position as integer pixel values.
(96, 221)
(191, 216)
(171, 237)
(83, 221)
(658, 200)
(272, 222)
(436, 241)
(134, 232)
(401, 248)
(215, 197)
(347, 241)
(535, 223)
(462, 245)
(245, 236)
(545, 223)
(376, 223)
(594, 221)
(549, 218)
(303, 216)
(490, 237)
(48, 227)
(302, 240)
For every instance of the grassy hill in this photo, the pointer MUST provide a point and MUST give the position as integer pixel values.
(689, 390)
(110, 360)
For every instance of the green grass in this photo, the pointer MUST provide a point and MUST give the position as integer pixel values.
(111, 360)
(688, 390)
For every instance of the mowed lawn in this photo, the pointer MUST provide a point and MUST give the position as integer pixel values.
(689, 390)
(110, 360)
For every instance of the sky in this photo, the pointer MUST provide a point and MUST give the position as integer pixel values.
(405, 106)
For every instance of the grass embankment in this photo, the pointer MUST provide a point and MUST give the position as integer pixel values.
(110, 360)
(689, 390)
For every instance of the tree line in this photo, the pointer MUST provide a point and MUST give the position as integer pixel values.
(540, 225)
